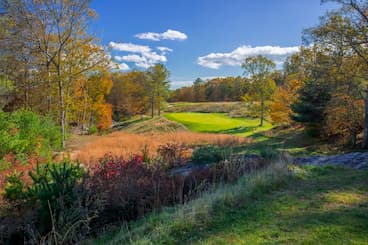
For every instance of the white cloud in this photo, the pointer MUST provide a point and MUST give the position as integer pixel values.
(130, 58)
(144, 60)
(142, 56)
(149, 59)
(123, 67)
(129, 47)
(237, 56)
(167, 35)
(179, 84)
(154, 57)
(164, 50)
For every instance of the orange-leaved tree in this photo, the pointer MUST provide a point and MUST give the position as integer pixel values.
(284, 96)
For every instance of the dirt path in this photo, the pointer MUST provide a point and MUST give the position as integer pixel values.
(356, 160)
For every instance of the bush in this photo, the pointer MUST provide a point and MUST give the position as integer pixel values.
(92, 130)
(210, 154)
(4, 164)
(24, 132)
(269, 153)
(14, 187)
(131, 188)
(173, 154)
(52, 182)
(65, 204)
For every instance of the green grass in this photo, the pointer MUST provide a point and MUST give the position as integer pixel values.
(309, 205)
(218, 123)
(329, 206)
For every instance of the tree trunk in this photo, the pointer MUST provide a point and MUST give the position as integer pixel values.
(152, 106)
(354, 139)
(262, 113)
(84, 112)
(158, 102)
(365, 136)
(26, 88)
(61, 106)
(49, 88)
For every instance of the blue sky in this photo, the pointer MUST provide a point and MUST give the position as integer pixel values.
(202, 38)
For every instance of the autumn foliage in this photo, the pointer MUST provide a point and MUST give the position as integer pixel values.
(284, 96)
(344, 118)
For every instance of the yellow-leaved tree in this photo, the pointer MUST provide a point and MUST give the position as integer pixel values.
(284, 96)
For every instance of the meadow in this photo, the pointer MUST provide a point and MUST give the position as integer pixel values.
(127, 144)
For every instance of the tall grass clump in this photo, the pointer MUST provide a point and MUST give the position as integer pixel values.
(126, 144)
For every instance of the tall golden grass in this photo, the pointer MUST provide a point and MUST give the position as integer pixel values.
(126, 145)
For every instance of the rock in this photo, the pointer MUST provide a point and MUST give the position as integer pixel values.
(356, 160)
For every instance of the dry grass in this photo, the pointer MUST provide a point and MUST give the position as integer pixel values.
(125, 144)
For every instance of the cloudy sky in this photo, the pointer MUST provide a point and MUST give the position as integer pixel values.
(202, 38)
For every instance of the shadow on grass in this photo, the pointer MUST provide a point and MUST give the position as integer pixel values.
(124, 124)
(294, 141)
(238, 130)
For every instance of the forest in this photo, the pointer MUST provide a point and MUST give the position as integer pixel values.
(91, 153)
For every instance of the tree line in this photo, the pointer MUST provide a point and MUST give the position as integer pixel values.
(139, 92)
(213, 90)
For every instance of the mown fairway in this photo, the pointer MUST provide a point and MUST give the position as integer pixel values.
(218, 123)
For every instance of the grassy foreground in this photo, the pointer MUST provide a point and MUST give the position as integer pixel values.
(288, 205)
(218, 123)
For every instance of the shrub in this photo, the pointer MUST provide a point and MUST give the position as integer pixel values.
(54, 189)
(4, 164)
(24, 132)
(65, 203)
(131, 188)
(173, 154)
(269, 153)
(92, 130)
(14, 188)
(209, 154)
(232, 169)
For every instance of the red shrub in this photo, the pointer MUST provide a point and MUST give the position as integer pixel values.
(131, 187)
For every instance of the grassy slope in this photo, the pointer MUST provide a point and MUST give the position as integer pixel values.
(157, 124)
(329, 206)
(292, 140)
(308, 206)
(218, 123)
